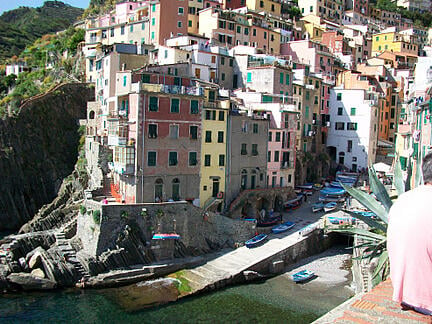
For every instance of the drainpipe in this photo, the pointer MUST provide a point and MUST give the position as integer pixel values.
(142, 146)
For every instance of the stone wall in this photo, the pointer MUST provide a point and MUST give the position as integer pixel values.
(200, 232)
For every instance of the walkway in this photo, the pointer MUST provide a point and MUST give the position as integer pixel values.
(375, 306)
(226, 267)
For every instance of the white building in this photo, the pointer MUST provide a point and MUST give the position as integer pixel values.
(353, 133)
(415, 5)
(16, 68)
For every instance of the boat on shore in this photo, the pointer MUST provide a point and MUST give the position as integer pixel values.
(269, 221)
(165, 236)
(333, 191)
(283, 227)
(256, 240)
(365, 213)
(330, 206)
(306, 186)
(302, 276)
(317, 207)
(293, 203)
(308, 229)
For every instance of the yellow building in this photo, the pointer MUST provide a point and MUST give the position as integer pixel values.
(193, 17)
(213, 151)
(312, 25)
(270, 6)
(393, 42)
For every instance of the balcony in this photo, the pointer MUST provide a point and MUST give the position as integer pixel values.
(173, 89)
(124, 160)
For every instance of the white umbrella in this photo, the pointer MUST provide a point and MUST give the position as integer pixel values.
(381, 167)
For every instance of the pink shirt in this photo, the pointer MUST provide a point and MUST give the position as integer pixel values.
(409, 243)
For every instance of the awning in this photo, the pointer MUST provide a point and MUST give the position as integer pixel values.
(381, 167)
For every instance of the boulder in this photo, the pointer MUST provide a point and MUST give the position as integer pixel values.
(28, 281)
(35, 261)
(38, 273)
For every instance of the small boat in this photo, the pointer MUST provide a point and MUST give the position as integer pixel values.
(340, 220)
(330, 206)
(365, 213)
(293, 203)
(283, 227)
(250, 220)
(160, 236)
(302, 275)
(255, 241)
(317, 207)
(307, 229)
(306, 186)
(269, 221)
(332, 191)
(318, 186)
(336, 184)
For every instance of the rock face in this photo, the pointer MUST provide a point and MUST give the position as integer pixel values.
(28, 281)
(38, 149)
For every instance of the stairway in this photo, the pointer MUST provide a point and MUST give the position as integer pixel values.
(69, 254)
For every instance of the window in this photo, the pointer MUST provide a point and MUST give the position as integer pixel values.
(179, 24)
(281, 78)
(207, 160)
(193, 132)
(255, 128)
(276, 156)
(231, 62)
(353, 111)
(246, 31)
(174, 131)
(307, 112)
(175, 105)
(265, 35)
(153, 8)
(180, 10)
(172, 159)
(349, 148)
(307, 95)
(270, 137)
(221, 116)
(249, 77)
(339, 126)
(223, 77)
(193, 158)
(124, 81)
(190, 23)
(269, 156)
(243, 149)
(131, 28)
(339, 97)
(153, 21)
(278, 137)
(122, 30)
(151, 158)
(152, 131)
(145, 78)
(221, 159)
(112, 31)
(340, 111)
(194, 107)
(154, 104)
(208, 136)
(254, 149)
(238, 29)
(220, 137)
(287, 79)
(351, 126)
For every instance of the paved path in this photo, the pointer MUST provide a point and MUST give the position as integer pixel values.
(225, 267)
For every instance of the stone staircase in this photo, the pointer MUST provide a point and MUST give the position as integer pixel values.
(69, 254)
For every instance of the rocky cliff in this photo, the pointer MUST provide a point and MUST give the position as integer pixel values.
(38, 149)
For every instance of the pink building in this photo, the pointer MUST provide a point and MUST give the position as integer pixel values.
(310, 52)
(361, 6)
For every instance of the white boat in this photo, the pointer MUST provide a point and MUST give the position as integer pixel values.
(330, 206)
(308, 229)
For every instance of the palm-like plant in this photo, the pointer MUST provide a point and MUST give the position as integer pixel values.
(375, 238)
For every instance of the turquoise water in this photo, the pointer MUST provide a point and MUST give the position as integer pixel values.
(277, 300)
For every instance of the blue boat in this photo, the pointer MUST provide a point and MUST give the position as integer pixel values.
(302, 275)
(162, 236)
(330, 206)
(255, 241)
(317, 207)
(332, 191)
(365, 213)
(283, 227)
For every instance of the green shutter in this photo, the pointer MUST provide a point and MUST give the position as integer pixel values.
(153, 104)
(175, 105)
(287, 79)
(353, 111)
(281, 78)
(249, 77)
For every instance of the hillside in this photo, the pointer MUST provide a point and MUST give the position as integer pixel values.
(21, 27)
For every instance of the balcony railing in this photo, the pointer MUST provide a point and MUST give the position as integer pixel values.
(173, 89)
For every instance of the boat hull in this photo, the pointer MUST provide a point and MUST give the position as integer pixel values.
(283, 227)
(255, 241)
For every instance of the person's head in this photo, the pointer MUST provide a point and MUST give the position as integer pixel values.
(427, 169)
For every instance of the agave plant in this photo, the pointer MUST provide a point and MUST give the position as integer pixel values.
(375, 238)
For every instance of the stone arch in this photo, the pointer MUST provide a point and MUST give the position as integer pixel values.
(158, 190)
(92, 114)
(263, 203)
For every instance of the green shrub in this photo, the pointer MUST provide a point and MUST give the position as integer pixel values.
(97, 216)
(83, 210)
(124, 215)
